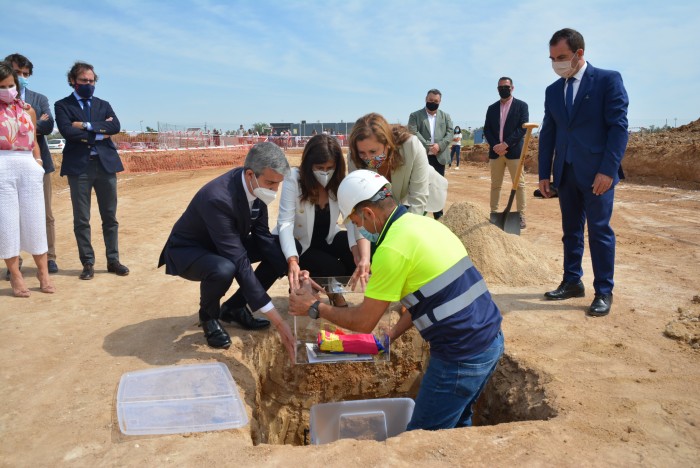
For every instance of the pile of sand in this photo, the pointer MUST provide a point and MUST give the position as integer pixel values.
(501, 258)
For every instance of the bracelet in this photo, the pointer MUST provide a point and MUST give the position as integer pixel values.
(37, 159)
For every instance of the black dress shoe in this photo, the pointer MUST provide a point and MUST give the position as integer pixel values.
(242, 317)
(565, 291)
(88, 272)
(117, 268)
(215, 335)
(53, 268)
(600, 306)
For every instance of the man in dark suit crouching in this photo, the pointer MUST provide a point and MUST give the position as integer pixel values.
(225, 229)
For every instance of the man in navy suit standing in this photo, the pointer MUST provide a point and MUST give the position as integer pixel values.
(90, 160)
(221, 233)
(582, 141)
(504, 132)
(44, 126)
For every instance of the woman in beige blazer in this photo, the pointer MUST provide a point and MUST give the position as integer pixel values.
(307, 225)
(396, 154)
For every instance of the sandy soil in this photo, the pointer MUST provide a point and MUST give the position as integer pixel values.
(571, 390)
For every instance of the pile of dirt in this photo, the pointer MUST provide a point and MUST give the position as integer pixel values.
(501, 258)
(686, 327)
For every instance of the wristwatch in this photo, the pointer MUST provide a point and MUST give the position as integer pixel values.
(313, 310)
(84, 125)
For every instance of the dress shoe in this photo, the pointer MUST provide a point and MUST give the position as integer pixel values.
(242, 317)
(215, 335)
(117, 268)
(565, 291)
(601, 305)
(53, 268)
(88, 272)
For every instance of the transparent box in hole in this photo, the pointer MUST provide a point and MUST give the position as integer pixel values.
(306, 329)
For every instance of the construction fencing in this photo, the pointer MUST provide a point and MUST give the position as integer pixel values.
(178, 139)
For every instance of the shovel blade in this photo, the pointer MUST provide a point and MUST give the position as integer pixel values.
(507, 221)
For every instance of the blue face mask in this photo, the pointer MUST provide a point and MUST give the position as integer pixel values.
(85, 91)
(373, 237)
(23, 82)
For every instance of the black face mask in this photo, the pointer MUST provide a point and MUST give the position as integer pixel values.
(432, 106)
(504, 92)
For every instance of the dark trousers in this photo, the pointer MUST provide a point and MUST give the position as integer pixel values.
(440, 168)
(105, 185)
(324, 260)
(579, 205)
(216, 273)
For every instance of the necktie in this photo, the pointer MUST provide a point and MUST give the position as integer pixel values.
(255, 210)
(569, 96)
(86, 109)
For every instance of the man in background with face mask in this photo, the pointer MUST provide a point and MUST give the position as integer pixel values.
(434, 129)
(446, 297)
(221, 233)
(91, 161)
(504, 132)
(44, 126)
(582, 141)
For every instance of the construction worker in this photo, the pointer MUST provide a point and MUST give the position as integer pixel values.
(446, 297)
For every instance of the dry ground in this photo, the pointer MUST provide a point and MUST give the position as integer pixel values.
(623, 392)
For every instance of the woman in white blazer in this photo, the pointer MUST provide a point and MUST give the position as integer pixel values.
(308, 229)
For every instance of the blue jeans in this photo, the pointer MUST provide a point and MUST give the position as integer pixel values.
(449, 389)
(454, 151)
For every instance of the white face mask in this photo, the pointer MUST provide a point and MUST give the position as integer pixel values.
(324, 177)
(564, 69)
(266, 195)
(7, 95)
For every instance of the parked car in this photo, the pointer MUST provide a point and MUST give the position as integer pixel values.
(56, 143)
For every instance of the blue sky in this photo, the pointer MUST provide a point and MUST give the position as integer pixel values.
(229, 63)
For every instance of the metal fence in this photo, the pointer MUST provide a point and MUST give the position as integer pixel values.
(178, 139)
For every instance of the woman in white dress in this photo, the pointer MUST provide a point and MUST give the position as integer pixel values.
(22, 215)
(308, 229)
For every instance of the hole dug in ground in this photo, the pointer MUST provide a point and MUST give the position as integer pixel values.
(285, 395)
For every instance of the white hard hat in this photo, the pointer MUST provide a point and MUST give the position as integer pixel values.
(358, 186)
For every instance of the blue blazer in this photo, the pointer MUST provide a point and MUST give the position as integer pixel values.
(218, 220)
(43, 127)
(513, 131)
(595, 134)
(78, 141)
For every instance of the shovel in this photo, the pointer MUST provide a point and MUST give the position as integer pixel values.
(510, 222)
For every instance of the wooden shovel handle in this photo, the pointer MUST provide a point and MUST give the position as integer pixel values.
(523, 153)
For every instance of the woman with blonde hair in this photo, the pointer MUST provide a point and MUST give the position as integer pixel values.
(395, 153)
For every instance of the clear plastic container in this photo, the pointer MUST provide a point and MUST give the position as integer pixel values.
(360, 419)
(306, 329)
(179, 399)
